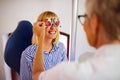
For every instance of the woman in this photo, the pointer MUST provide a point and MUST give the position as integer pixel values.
(45, 42)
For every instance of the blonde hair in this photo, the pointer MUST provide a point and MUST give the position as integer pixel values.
(41, 17)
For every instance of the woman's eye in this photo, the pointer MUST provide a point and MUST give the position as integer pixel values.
(47, 23)
(57, 23)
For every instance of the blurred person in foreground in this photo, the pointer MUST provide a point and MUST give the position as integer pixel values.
(102, 27)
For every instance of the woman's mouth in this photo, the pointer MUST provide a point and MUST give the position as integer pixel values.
(52, 32)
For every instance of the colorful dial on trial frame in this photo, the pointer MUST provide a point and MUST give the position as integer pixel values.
(52, 22)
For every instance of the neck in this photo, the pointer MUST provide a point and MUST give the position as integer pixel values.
(103, 39)
(107, 42)
(48, 45)
(116, 42)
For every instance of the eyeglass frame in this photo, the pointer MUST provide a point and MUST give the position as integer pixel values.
(52, 22)
(79, 16)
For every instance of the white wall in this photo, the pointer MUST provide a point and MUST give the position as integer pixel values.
(12, 11)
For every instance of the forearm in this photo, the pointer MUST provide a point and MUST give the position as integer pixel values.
(38, 64)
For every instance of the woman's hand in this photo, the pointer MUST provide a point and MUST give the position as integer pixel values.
(39, 29)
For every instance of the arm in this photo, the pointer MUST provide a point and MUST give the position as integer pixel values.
(62, 71)
(69, 71)
(52, 74)
(25, 67)
(38, 63)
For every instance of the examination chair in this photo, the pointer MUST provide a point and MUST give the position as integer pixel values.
(16, 43)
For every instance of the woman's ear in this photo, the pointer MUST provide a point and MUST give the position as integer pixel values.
(94, 23)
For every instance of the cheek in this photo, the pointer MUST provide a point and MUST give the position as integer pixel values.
(86, 28)
(88, 33)
(57, 29)
(47, 30)
(91, 38)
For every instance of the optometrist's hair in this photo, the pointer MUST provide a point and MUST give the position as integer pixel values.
(41, 17)
(108, 12)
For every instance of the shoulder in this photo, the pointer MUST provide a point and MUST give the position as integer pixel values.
(60, 44)
(29, 51)
(63, 71)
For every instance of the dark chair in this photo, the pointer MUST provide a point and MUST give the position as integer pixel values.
(17, 42)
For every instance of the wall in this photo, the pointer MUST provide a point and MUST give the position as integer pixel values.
(12, 11)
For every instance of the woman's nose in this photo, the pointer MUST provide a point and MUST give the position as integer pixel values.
(52, 27)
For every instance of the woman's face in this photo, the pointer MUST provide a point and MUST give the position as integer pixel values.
(52, 27)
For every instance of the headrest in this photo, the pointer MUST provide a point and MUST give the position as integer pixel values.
(17, 42)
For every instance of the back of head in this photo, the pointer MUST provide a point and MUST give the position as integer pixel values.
(108, 12)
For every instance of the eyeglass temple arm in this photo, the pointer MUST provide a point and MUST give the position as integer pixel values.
(81, 16)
